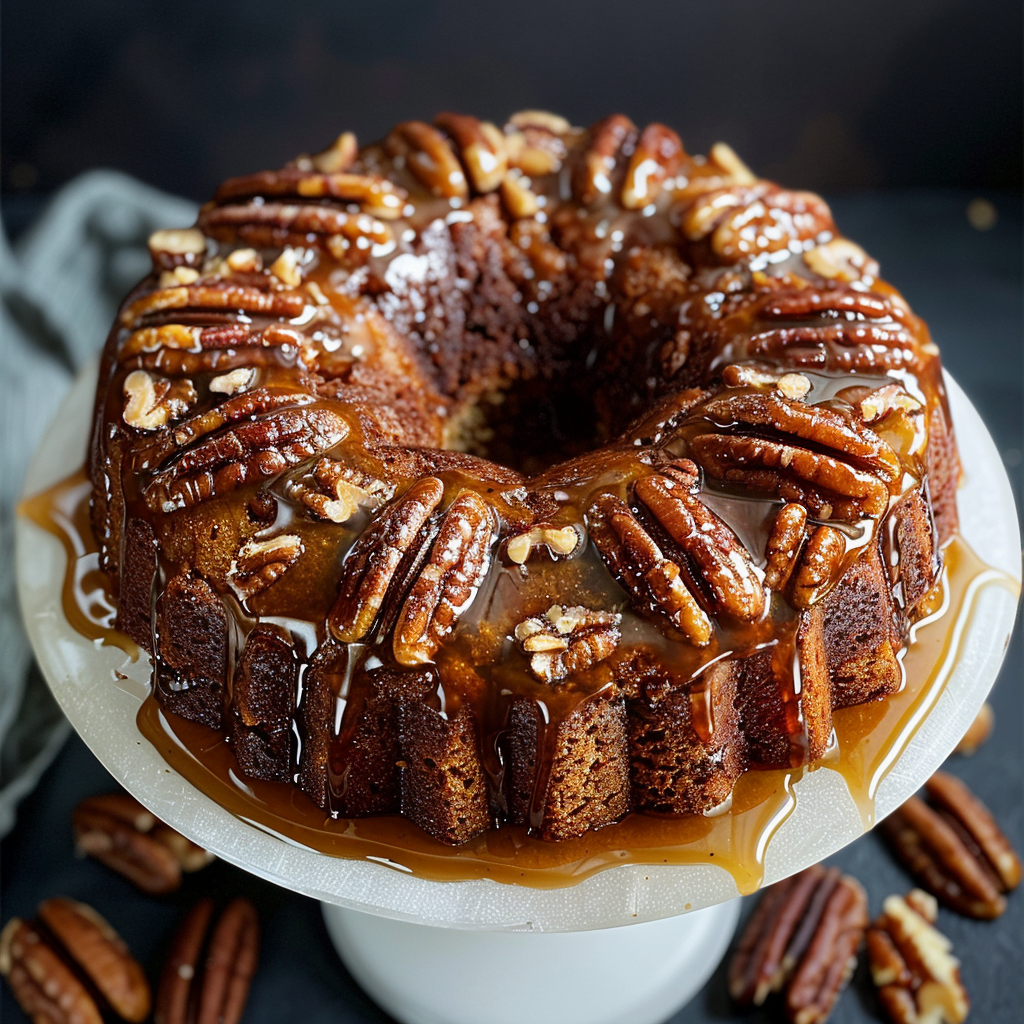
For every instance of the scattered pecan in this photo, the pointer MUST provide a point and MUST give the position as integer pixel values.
(802, 939)
(560, 541)
(249, 451)
(207, 976)
(231, 383)
(724, 563)
(658, 155)
(482, 147)
(448, 581)
(45, 987)
(723, 157)
(101, 954)
(978, 731)
(884, 400)
(260, 562)
(835, 468)
(152, 402)
(592, 178)
(371, 565)
(427, 154)
(337, 157)
(565, 641)
(955, 849)
(120, 833)
(54, 969)
(177, 247)
(635, 559)
(912, 966)
(791, 385)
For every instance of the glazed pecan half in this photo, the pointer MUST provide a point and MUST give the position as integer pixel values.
(955, 849)
(813, 455)
(392, 539)
(592, 176)
(801, 940)
(448, 582)
(654, 581)
(658, 155)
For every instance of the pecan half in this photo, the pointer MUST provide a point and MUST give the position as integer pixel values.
(225, 296)
(101, 955)
(565, 641)
(912, 966)
(819, 566)
(635, 559)
(724, 563)
(45, 987)
(260, 562)
(448, 582)
(519, 199)
(338, 156)
(784, 543)
(247, 452)
(534, 141)
(120, 833)
(427, 154)
(207, 976)
(375, 558)
(841, 260)
(482, 147)
(835, 468)
(955, 850)
(658, 155)
(592, 178)
(802, 939)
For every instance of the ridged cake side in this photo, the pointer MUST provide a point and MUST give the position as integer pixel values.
(324, 488)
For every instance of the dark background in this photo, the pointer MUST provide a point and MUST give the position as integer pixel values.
(876, 93)
(901, 112)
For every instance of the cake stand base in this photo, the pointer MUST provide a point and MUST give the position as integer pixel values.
(640, 973)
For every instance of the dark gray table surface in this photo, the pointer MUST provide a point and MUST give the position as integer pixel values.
(967, 285)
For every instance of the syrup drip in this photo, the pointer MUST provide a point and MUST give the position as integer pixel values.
(869, 739)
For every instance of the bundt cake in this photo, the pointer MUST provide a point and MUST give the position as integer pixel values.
(528, 476)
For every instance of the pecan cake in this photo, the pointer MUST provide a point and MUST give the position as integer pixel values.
(524, 476)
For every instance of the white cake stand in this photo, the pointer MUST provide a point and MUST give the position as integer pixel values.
(461, 952)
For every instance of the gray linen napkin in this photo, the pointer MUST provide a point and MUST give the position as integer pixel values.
(61, 285)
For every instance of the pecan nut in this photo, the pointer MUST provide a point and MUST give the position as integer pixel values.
(841, 260)
(560, 541)
(342, 490)
(120, 833)
(912, 966)
(955, 849)
(801, 940)
(101, 955)
(784, 543)
(535, 141)
(448, 582)
(259, 563)
(151, 402)
(724, 563)
(207, 976)
(819, 566)
(633, 557)
(565, 641)
(658, 155)
(482, 147)
(592, 179)
(372, 564)
(429, 157)
(835, 468)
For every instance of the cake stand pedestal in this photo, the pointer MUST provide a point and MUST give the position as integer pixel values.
(631, 943)
(638, 973)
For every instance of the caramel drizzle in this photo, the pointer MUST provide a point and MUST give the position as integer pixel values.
(870, 738)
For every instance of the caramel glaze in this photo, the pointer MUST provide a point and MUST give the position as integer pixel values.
(868, 739)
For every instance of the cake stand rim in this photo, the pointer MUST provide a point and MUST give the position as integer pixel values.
(614, 896)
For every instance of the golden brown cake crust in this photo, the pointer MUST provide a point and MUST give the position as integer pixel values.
(525, 475)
